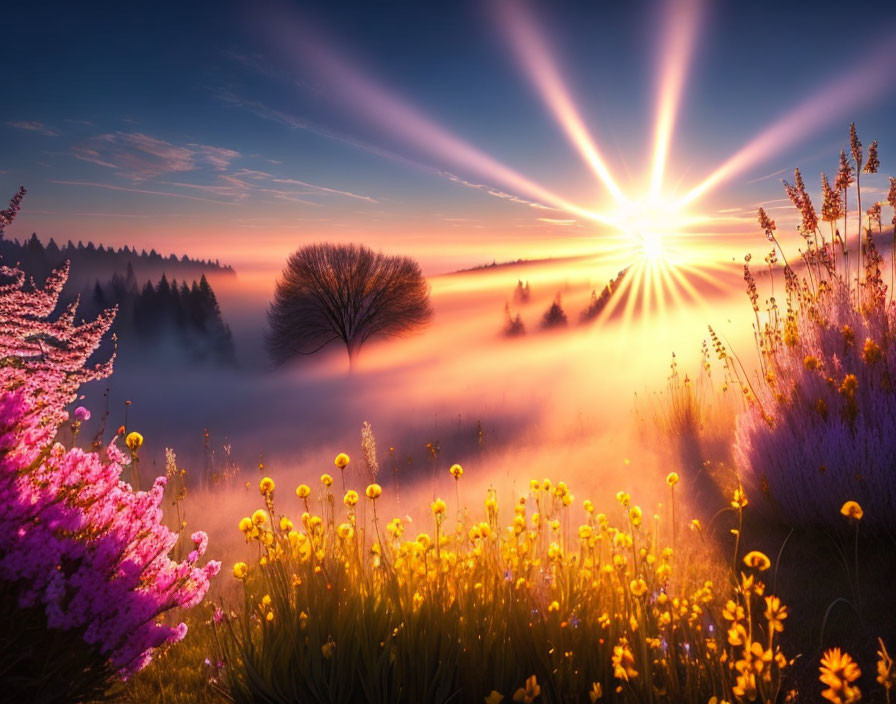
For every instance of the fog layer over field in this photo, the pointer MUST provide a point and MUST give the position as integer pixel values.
(552, 403)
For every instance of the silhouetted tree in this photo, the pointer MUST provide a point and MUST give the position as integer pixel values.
(522, 294)
(598, 303)
(513, 325)
(344, 293)
(90, 262)
(554, 317)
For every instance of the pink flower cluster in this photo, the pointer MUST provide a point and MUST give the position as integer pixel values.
(74, 538)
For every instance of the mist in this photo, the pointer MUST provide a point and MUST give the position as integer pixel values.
(556, 404)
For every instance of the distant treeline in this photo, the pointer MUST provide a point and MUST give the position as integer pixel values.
(156, 313)
(90, 262)
(555, 317)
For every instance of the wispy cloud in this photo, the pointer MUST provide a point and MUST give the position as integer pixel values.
(768, 176)
(266, 112)
(32, 126)
(323, 189)
(494, 191)
(217, 157)
(113, 187)
(141, 156)
(243, 183)
(289, 196)
(557, 221)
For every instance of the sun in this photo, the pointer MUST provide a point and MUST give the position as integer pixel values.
(651, 245)
(650, 224)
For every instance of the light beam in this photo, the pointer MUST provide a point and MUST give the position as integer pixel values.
(864, 81)
(678, 48)
(536, 59)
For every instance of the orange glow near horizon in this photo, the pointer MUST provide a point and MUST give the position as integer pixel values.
(645, 224)
(648, 235)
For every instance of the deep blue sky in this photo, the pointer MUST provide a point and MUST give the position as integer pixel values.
(193, 122)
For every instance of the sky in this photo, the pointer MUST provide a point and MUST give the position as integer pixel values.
(457, 132)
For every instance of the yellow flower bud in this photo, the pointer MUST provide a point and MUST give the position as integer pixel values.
(133, 441)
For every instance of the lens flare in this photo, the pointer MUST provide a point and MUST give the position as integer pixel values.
(684, 19)
(363, 96)
(535, 58)
(653, 237)
(864, 81)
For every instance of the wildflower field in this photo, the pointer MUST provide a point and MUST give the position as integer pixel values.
(760, 570)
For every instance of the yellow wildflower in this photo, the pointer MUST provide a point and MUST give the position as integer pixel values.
(838, 671)
(737, 634)
(373, 491)
(438, 507)
(341, 460)
(596, 692)
(240, 570)
(529, 693)
(495, 697)
(672, 479)
(740, 498)
(623, 661)
(133, 441)
(326, 480)
(757, 560)
(870, 352)
(351, 498)
(266, 485)
(852, 510)
(303, 491)
(245, 524)
(260, 517)
(456, 471)
(745, 689)
(327, 649)
(638, 587)
(775, 612)
(886, 677)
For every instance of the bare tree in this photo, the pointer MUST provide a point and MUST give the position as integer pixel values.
(344, 292)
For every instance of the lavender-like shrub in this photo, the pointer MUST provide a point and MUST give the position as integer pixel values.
(821, 424)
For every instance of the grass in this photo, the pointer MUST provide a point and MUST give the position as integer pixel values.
(546, 599)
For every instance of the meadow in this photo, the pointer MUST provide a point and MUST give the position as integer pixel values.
(534, 534)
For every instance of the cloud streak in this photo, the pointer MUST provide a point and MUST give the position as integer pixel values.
(32, 126)
(140, 156)
(113, 187)
(492, 191)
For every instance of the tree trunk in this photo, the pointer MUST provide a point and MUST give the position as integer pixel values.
(353, 349)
